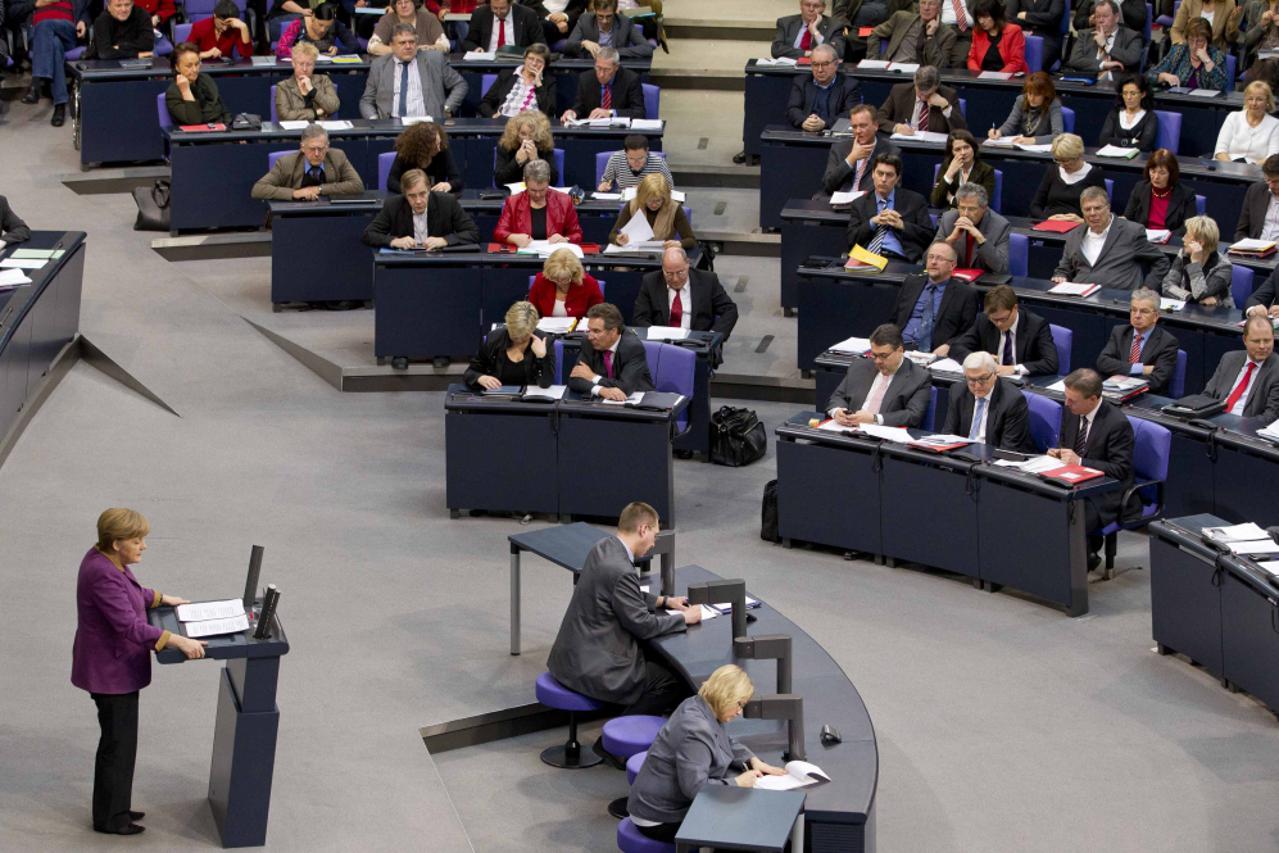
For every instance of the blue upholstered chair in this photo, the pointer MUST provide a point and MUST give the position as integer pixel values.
(272, 157)
(1177, 384)
(1035, 53)
(1063, 340)
(1151, 450)
(162, 113)
(673, 369)
(384, 161)
(1201, 204)
(1110, 190)
(552, 694)
(275, 117)
(1045, 420)
(633, 765)
(1241, 284)
(930, 415)
(652, 100)
(1068, 119)
(631, 840)
(1169, 133)
(626, 736)
(182, 32)
(1018, 254)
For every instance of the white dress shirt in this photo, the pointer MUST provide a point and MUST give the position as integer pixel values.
(1093, 242)
(948, 13)
(415, 103)
(685, 303)
(1270, 227)
(497, 29)
(420, 230)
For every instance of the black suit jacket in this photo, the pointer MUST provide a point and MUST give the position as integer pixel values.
(1252, 218)
(958, 307)
(444, 218)
(1181, 206)
(628, 95)
(900, 106)
(491, 361)
(1160, 351)
(1032, 342)
(905, 402)
(1109, 449)
(713, 310)
(839, 175)
(844, 94)
(12, 228)
(630, 367)
(1007, 416)
(1263, 397)
(523, 28)
(502, 86)
(917, 231)
(1263, 296)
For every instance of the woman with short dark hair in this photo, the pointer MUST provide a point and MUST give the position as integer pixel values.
(192, 97)
(997, 45)
(1132, 123)
(1160, 200)
(961, 165)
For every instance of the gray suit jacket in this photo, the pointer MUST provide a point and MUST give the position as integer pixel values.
(442, 87)
(991, 255)
(1263, 397)
(1127, 49)
(788, 29)
(627, 38)
(1118, 266)
(905, 402)
(286, 176)
(291, 104)
(691, 750)
(936, 50)
(597, 651)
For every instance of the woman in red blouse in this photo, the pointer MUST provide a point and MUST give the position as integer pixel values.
(997, 46)
(562, 288)
(223, 34)
(1161, 201)
(538, 213)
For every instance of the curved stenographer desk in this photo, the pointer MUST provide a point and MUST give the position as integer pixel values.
(38, 325)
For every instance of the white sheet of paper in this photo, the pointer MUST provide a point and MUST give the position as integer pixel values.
(1117, 151)
(707, 612)
(552, 392)
(1247, 532)
(947, 365)
(1203, 93)
(781, 60)
(1158, 235)
(293, 125)
(213, 627)
(1270, 567)
(852, 346)
(1059, 385)
(646, 123)
(637, 229)
(1260, 546)
(21, 264)
(336, 124)
(873, 65)
(798, 774)
(670, 333)
(944, 438)
(904, 67)
(556, 325)
(1072, 288)
(1169, 304)
(1046, 148)
(1001, 142)
(898, 435)
(479, 56)
(636, 399)
(411, 120)
(606, 196)
(995, 75)
(198, 611)
(12, 276)
(544, 248)
(922, 136)
(846, 197)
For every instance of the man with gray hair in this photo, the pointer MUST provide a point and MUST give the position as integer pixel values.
(924, 105)
(798, 35)
(819, 100)
(405, 83)
(1141, 348)
(914, 36)
(1110, 251)
(1108, 46)
(978, 234)
(607, 91)
(314, 170)
(988, 409)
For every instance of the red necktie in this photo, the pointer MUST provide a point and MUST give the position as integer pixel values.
(806, 43)
(922, 121)
(961, 22)
(501, 33)
(677, 310)
(608, 363)
(1134, 352)
(606, 102)
(1241, 387)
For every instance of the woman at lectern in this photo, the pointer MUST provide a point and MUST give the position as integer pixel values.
(111, 657)
(693, 749)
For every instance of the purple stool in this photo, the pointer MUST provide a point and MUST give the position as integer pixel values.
(633, 765)
(631, 840)
(626, 736)
(552, 694)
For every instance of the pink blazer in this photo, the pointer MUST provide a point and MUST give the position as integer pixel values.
(113, 640)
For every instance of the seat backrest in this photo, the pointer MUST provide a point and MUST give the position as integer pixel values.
(1151, 448)
(1241, 281)
(1110, 190)
(273, 157)
(1232, 69)
(1035, 53)
(1068, 119)
(181, 32)
(676, 373)
(929, 422)
(384, 161)
(1177, 384)
(652, 100)
(1018, 254)
(200, 7)
(601, 161)
(1063, 340)
(963, 108)
(558, 346)
(1201, 204)
(1045, 420)
(486, 83)
(1168, 134)
(557, 154)
(998, 201)
(275, 116)
(162, 112)
(1150, 19)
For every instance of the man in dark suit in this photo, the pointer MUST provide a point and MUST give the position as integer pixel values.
(502, 24)
(603, 27)
(978, 234)
(613, 366)
(1141, 347)
(1110, 250)
(848, 165)
(891, 220)
(556, 25)
(609, 81)
(1257, 203)
(797, 35)
(1262, 302)
(1095, 434)
(883, 388)
(922, 105)
(1249, 380)
(1107, 49)
(818, 101)
(597, 651)
(933, 309)
(988, 409)
(689, 299)
(12, 228)
(914, 36)
(420, 219)
(1021, 342)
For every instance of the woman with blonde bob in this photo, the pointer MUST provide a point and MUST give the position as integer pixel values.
(1058, 193)
(526, 137)
(111, 657)
(1200, 273)
(513, 354)
(563, 288)
(664, 214)
(692, 750)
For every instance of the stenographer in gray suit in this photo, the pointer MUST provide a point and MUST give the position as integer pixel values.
(978, 234)
(597, 651)
(883, 388)
(1248, 380)
(692, 750)
(1110, 250)
(407, 83)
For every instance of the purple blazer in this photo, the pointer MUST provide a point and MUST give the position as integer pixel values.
(113, 640)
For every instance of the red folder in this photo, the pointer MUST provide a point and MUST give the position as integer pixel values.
(969, 275)
(1072, 475)
(202, 128)
(804, 60)
(863, 32)
(1057, 226)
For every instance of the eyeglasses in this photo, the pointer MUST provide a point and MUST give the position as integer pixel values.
(825, 64)
(979, 380)
(880, 356)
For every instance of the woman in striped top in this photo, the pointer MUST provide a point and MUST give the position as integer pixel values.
(522, 89)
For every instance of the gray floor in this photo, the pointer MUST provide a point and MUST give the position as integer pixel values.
(1002, 725)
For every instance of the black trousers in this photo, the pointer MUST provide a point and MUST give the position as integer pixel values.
(663, 690)
(117, 749)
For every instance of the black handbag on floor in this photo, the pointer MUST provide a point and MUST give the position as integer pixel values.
(768, 514)
(153, 206)
(737, 437)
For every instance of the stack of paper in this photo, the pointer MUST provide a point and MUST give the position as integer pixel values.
(1117, 151)
(1252, 246)
(1071, 288)
(551, 392)
(942, 440)
(22, 264)
(336, 124)
(210, 618)
(293, 124)
(611, 121)
(410, 120)
(1169, 304)
(897, 435)
(667, 333)
(1033, 465)
(13, 278)
(1247, 532)
(1270, 432)
(1119, 382)
(606, 196)
(556, 325)
(798, 774)
(848, 197)
(873, 65)
(852, 346)
(1044, 148)
(784, 61)
(995, 75)
(1001, 142)
(646, 123)
(635, 399)
(544, 248)
(946, 365)
(1158, 235)
(922, 136)
(1203, 93)
(479, 56)
(923, 359)
(707, 612)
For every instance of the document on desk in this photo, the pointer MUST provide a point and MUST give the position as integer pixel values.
(634, 400)
(293, 125)
(1270, 567)
(599, 196)
(1247, 532)
(551, 393)
(633, 248)
(479, 56)
(667, 333)
(12, 278)
(785, 61)
(727, 606)
(198, 611)
(707, 612)
(1033, 465)
(556, 325)
(1158, 235)
(648, 124)
(845, 197)
(897, 435)
(22, 264)
(1118, 151)
(637, 230)
(1260, 546)
(1045, 148)
(213, 627)
(544, 248)
(799, 774)
(1203, 93)
(1270, 432)
(611, 121)
(336, 124)
(1001, 142)
(407, 121)
(996, 75)
(922, 136)
(52, 254)
(852, 346)
(1074, 288)
(946, 365)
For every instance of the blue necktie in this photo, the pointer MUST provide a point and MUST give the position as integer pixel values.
(881, 231)
(404, 89)
(977, 413)
(924, 337)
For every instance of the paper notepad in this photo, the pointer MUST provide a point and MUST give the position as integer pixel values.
(544, 248)
(1247, 532)
(946, 365)
(10, 278)
(21, 264)
(479, 56)
(1158, 235)
(852, 346)
(198, 611)
(551, 392)
(846, 197)
(37, 253)
(784, 61)
(897, 435)
(798, 775)
(646, 123)
(669, 333)
(213, 627)
(556, 325)
(635, 399)
(995, 75)
(922, 136)
(1117, 151)
(1074, 288)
